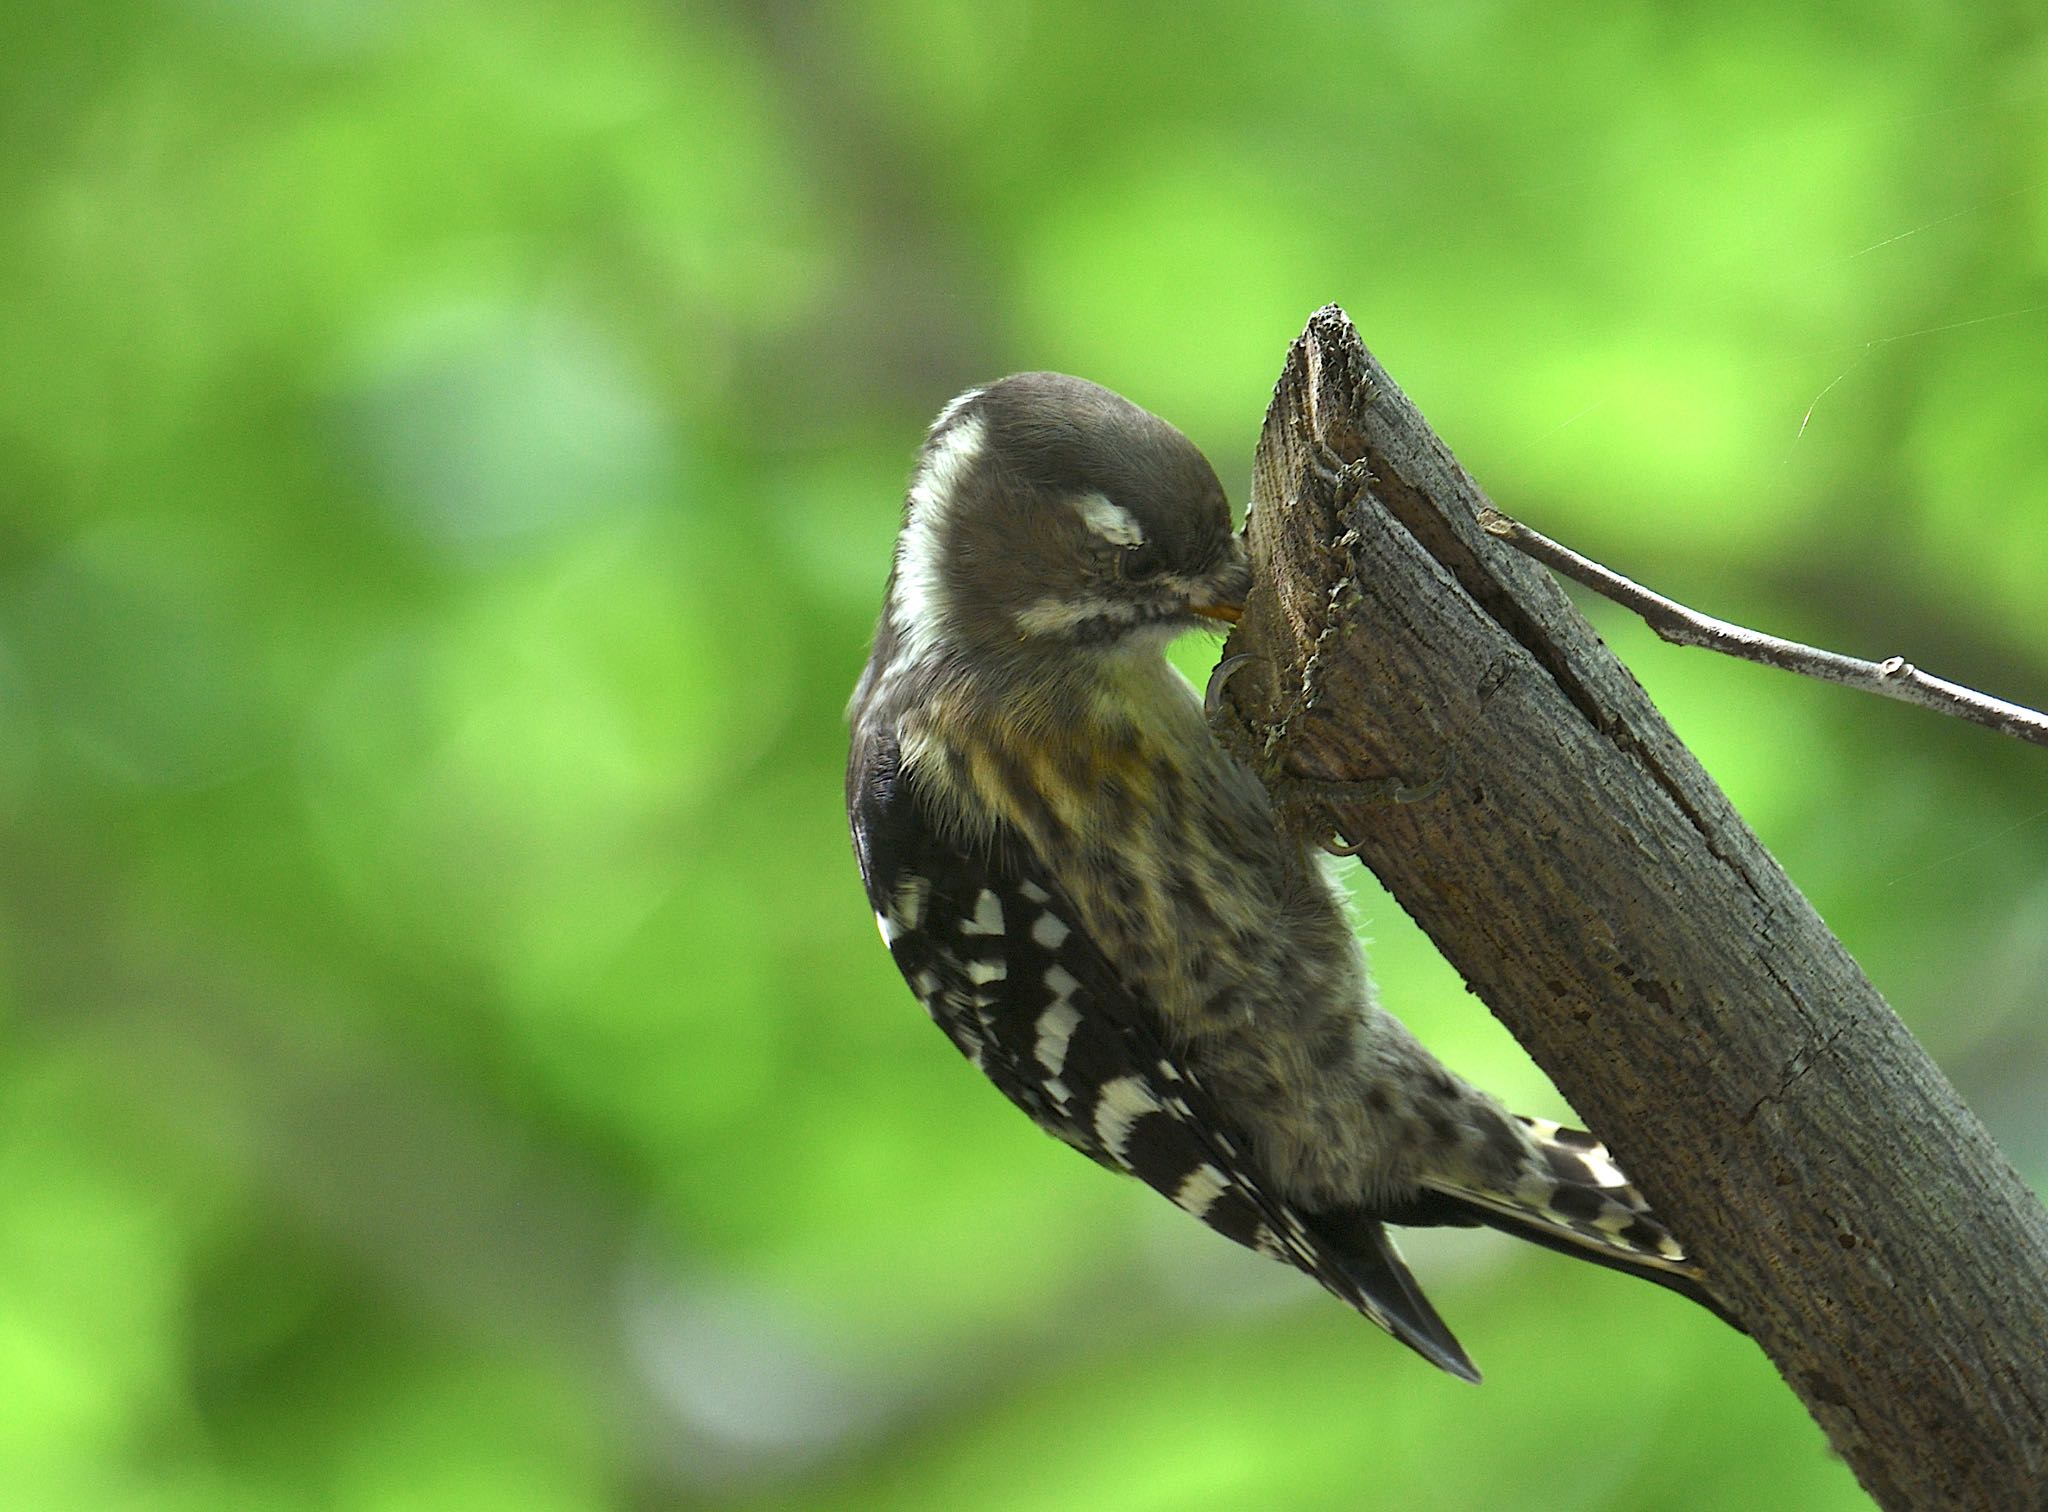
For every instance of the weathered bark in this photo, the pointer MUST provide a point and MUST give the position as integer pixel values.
(1597, 890)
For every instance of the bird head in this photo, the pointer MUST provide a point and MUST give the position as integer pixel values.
(1048, 514)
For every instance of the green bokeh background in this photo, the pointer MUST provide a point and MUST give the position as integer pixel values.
(448, 458)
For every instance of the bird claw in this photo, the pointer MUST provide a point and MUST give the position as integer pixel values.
(1435, 784)
(1212, 696)
(1319, 795)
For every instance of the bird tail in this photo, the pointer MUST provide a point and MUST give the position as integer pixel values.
(1571, 1197)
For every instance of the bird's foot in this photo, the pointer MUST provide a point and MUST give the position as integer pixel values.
(1316, 796)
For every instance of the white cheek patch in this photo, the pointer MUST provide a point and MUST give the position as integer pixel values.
(1108, 519)
(1054, 616)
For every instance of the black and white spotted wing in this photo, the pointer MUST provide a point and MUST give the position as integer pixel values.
(991, 948)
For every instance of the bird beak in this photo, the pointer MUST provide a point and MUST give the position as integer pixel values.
(1229, 612)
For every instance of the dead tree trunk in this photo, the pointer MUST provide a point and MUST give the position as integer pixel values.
(1596, 889)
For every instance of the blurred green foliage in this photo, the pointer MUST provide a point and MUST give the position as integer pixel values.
(448, 459)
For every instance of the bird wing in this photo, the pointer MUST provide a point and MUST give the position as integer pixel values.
(996, 953)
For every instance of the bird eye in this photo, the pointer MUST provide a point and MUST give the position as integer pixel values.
(1135, 562)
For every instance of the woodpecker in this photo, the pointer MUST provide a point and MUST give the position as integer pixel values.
(1098, 905)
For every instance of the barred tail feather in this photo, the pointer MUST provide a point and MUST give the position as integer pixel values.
(1574, 1199)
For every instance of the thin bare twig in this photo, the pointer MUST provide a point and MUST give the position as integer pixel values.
(1894, 677)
